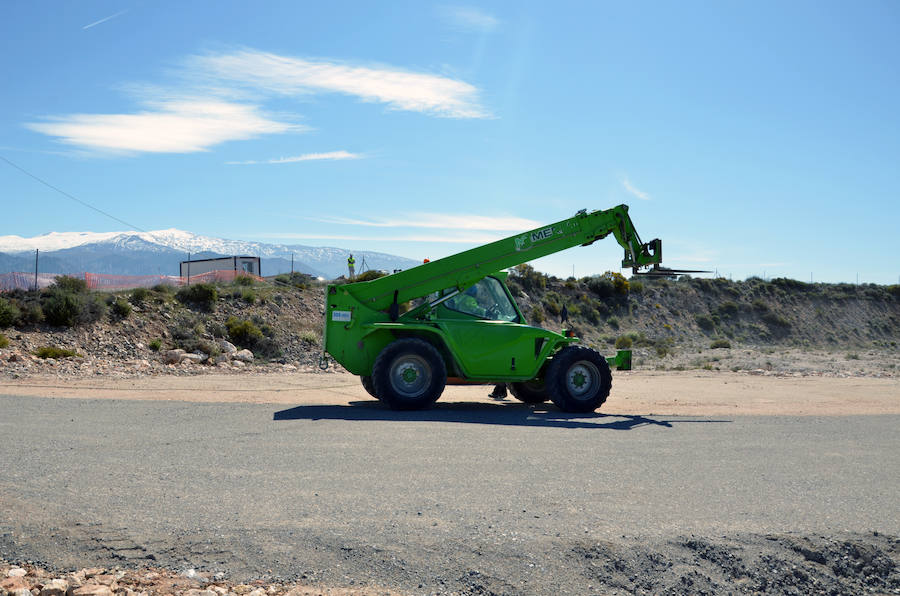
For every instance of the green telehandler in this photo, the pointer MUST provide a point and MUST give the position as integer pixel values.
(454, 321)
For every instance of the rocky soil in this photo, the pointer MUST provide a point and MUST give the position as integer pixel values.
(163, 336)
(33, 580)
(749, 564)
(768, 328)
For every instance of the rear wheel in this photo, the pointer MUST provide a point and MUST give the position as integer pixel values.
(578, 379)
(409, 374)
(368, 385)
(530, 392)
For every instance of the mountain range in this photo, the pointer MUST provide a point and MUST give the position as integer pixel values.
(160, 252)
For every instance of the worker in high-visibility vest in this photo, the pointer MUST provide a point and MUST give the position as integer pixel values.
(351, 265)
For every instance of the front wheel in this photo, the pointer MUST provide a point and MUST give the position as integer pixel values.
(529, 392)
(409, 374)
(578, 379)
(368, 385)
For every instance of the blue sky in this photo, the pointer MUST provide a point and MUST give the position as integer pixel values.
(753, 138)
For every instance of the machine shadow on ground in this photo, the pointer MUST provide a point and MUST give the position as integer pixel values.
(479, 413)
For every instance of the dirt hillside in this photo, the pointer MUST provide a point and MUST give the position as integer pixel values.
(779, 326)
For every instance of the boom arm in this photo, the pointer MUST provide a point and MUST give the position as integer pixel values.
(466, 268)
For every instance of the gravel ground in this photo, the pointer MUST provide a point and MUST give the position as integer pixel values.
(771, 504)
(746, 564)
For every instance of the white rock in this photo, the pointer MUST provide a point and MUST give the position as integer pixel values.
(227, 347)
(237, 364)
(55, 587)
(16, 572)
(193, 358)
(244, 356)
(174, 356)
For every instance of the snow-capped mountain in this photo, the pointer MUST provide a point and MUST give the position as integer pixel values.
(161, 251)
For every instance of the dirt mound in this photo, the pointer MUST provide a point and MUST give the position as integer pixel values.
(778, 326)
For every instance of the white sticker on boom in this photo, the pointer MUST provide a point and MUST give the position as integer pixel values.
(340, 315)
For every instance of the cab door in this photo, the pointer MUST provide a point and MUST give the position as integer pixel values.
(486, 335)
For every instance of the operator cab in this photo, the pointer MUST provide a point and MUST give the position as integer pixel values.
(488, 299)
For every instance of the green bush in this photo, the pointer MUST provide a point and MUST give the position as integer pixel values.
(760, 306)
(242, 332)
(551, 306)
(369, 275)
(62, 308)
(310, 337)
(775, 320)
(728, 309)
(791, 284)
(163, 289)
(601, 286)
(267, 347)
(139, 295)
(249, 296)
(93, 309)
(32, 313)
(121, 307)
(244, 280)
(202, 295)
(720, 343)
(155, 344)
(620, 284)
(613, 322)
(186, 334)
(54, 352)
(67, 283)
(296, 279)
(537, 314)
(4, 341)
(529, 278)
(623, 342)
(636, 287)
(9, 313)
(705, 322)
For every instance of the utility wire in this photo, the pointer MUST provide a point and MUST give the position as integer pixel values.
(76, 199)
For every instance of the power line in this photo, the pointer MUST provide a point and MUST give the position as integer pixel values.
(76, 199)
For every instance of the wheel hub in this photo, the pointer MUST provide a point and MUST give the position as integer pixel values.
(410, 375)
(582, 378)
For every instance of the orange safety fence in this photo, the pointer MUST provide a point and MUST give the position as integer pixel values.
(102, 281)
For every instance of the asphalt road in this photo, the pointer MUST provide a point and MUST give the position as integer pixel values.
(421, 501)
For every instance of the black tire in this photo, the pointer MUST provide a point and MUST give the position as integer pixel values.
(578, 379)
(409, 374)
(530, 392)
(368, 385)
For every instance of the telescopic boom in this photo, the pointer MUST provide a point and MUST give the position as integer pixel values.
(468, 267)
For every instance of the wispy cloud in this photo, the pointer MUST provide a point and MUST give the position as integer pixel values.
(103, 20)
(399, 89)
(442, 221)
(634, 191)
(220, 97)
(467, 18)
(184, 126)
(331, 155)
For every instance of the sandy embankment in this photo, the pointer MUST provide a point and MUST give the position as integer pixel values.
(693, 393)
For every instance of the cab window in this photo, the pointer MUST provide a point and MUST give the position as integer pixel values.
(485, 300)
